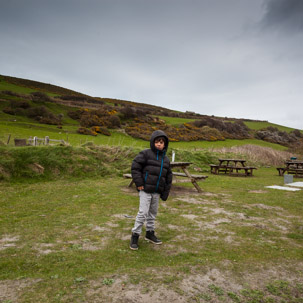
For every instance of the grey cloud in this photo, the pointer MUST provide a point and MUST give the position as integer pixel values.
(284, 15)
(210, 56)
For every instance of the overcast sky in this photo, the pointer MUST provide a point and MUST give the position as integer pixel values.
(234, 58)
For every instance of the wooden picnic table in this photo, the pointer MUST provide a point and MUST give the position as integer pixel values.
(186, 174)
(189, 177)
(234, 161)
(293, 167)
(232, 167)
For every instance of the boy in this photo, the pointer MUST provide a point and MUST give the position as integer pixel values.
(153, 177)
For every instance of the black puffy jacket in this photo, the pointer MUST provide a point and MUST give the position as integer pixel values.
(151, 168)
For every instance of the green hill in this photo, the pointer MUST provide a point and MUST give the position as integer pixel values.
(31, 108)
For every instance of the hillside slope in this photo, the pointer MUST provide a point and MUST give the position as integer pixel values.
(30, 101)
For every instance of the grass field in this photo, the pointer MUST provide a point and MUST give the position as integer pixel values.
(67, 241)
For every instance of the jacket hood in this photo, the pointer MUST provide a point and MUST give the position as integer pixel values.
(156, 134)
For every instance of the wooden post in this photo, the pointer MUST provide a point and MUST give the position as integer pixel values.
(35, 141)
(46, 140)
(9, 137)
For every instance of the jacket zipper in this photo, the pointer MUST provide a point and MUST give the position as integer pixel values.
(160, 172)
(146, 174)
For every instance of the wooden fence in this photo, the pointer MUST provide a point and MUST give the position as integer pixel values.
(35, 141)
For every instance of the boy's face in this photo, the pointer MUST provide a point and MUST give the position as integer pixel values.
(159, 144)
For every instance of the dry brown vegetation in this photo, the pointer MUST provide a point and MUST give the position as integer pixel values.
(258, 154)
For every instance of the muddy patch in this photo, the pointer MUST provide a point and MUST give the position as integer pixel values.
(203, 284)
(181, 190)
(258, 191)
(263, 206)
(190, 216)
(10, 290)
(8, 241)
(45, 248)
(192, 200)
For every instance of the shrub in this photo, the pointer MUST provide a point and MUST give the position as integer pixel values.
(297, 133)
(43, 115)
(9, 111)
(114, 121)
(236, 130)
(39, 96)
(88, 120)
(75, 115)
(101, 130)
(86, 131)
(19, 104)
(128, 112)
(211, 134)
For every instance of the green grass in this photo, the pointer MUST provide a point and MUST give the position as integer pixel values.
(260, 125)
(175, 121)
(69, 233)
(15, 88)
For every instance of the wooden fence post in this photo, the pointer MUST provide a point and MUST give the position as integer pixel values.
(9, 137)
(35, 141)
(46, 140)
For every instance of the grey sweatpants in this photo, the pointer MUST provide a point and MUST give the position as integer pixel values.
(148, 210)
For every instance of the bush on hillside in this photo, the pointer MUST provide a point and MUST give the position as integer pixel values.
(42, 115)
(128, 112)
(14, 94)
(114, 121)
(75, 114)
(86, 131)
(211, 134)
(297, 133)
(236, 130)
(101, 130)
(39, 96)
(9, 111)
(274, 135)
(88, 120)
(16, 107)
(80, 99)
(19, 104)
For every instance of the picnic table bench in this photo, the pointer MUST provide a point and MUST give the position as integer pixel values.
(234, 167)
(292, 167)
(193, 178)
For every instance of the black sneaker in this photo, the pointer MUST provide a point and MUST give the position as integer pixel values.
(151, 237)
(134, 241)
